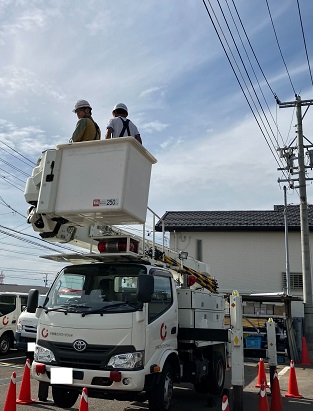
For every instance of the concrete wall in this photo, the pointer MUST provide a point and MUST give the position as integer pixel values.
(245, 261)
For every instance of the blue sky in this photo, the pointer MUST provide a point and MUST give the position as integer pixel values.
(164, 60)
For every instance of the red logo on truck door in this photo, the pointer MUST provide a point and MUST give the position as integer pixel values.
(163, 331)
(44, 333)
(5, 320)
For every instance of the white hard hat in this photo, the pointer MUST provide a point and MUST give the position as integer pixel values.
(81, 104)
(122, 106)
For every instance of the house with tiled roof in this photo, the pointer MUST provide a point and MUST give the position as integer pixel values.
(244, 250)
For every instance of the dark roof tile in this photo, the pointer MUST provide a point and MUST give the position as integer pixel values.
(255, 220)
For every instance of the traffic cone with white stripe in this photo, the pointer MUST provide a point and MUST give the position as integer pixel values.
(263, 402)
(24, 395)
(83, 406)
(276, 402)
(292, 383)
(261, 375)
(10, 403)
(225, 405)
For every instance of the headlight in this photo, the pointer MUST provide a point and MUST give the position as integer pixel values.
(130, 360)
(19, 328)
(42, 354)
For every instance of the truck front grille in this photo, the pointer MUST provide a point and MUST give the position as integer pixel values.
(94, 357)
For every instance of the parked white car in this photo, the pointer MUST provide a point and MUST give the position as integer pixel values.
(26, 329)
(11, 306)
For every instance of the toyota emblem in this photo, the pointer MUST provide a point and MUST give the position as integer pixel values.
(79, 345)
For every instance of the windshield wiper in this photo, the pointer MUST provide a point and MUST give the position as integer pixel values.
(65, 308)
(109, 307)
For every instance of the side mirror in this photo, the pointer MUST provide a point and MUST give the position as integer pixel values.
(32, 301)
(145, 288)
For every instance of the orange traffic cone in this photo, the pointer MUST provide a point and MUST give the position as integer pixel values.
(292, 383)
(261, 375)
(10, 404)
(277, 402)
(305, 359)
(24, 395)
(263, 402)
(225, 405)
(83, 406)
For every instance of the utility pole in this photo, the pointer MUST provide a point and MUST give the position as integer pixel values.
(304, 222)
(286, 242)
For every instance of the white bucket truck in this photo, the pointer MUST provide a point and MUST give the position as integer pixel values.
(123, 322)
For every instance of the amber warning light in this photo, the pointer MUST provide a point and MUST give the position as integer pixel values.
(117, 246)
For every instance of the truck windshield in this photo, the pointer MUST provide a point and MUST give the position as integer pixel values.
(96, 288)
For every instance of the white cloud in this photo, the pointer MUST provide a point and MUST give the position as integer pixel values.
(152, 91)
(17, 79)
(153, 126)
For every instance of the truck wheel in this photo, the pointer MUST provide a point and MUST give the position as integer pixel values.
(5, 344)
(160, 398)
(64, 397)
(217, 374)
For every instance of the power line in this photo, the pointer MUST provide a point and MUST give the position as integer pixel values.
(258, 63)
(303, 36)
(247, 73)
(11, 208)
(6, 151)
(244, 30)
(12, 175)
(237, 78)
(269, 11)
(13, 149)
(14, 167)
(9, 182)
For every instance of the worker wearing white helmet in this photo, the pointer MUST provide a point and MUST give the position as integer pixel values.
(120, 126)
(86, 128)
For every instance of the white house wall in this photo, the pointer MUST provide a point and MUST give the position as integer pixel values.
(244, 261)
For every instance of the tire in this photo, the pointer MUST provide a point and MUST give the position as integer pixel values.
(64, 397)
(217, 374)
(160, 398)
(5, 344)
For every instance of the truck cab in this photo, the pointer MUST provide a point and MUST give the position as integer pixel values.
(11, 306)
(26, 329)
(97, 321)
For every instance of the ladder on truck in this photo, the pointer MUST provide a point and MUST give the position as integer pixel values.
(135, 247)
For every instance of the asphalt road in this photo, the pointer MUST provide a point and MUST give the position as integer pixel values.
(185, 398)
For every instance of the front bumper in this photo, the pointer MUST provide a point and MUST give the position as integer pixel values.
(131, 381)
(21, 342)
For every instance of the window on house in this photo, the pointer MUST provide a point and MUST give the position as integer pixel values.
(199, 250)
(296, 281)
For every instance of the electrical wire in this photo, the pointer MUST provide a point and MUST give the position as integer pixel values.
(237, 78)
(258, 63)
(244, 30)
(15, 151)
(303, 36)
(247, 73)
(9, 182)
(12, 175)
(14, 167)
(281, 53)
(19, 159)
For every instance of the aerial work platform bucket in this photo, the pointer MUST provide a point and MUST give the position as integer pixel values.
(95, 182)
